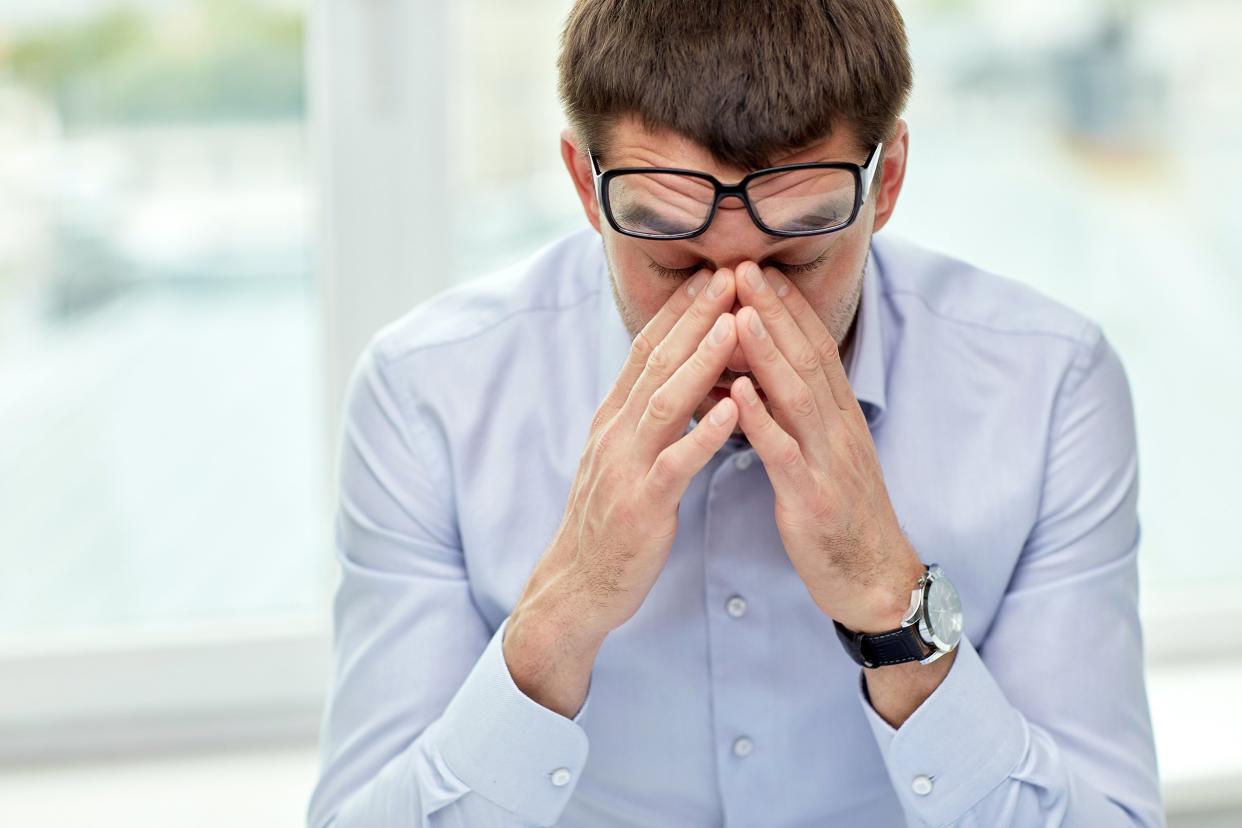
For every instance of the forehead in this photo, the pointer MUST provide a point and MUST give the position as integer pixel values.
(631, 144)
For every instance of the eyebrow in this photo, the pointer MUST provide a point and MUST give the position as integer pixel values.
(644, 215)
(808, 220)
(654, 222)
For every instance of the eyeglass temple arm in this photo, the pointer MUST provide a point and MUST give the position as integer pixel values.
(868, 169)
(598, 175)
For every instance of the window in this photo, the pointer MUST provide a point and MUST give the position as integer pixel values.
(163, 461)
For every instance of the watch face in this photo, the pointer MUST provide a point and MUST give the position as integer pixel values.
(944, 613)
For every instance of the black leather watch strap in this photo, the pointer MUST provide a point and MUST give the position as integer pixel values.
(880, 649)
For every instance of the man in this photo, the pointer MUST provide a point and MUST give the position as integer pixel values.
(670, 491)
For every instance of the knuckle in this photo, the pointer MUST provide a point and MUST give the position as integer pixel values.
(855, 449)
(640, 352)
(641, 348)
(856, 413)
(697, 313)
(806, 362)
(664, 469)
(603, 416)
(828, 351)
(769, 355)
(803, 402)
(787, 453)
(699, 363)
(661, 407)
(606, 438)
(701, 439)
(624, 512)
(611, 479)
(660, 362)
(770, 312)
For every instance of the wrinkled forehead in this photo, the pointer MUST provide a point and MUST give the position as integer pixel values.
(630, 143)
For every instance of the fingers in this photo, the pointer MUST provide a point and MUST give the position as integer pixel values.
(680, 342)
(813, 328)
(792, 399)
(779, 452)
(679, 462)
(671, 405)
(768, 291)
(648, 338)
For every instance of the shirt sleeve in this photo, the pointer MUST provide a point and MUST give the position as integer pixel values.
(1047, 721)
(424, 725)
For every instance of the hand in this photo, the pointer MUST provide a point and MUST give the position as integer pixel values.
(621, 517)
(833, 511)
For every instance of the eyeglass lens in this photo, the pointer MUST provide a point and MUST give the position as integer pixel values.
(790, 200)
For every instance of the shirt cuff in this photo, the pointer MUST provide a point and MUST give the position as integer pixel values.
(508, 748)
(958, 745)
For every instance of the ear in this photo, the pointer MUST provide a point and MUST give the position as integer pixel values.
(891, 176)
(579, 166)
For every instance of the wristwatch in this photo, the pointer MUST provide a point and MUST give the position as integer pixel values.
(932, 626)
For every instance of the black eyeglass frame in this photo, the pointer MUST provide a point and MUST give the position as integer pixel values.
(863, 175)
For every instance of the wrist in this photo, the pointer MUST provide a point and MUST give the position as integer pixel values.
(550, 659)
(888, 600)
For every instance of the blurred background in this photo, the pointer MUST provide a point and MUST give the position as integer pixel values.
(207, 207)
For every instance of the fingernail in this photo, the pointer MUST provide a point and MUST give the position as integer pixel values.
(717, 286)
(719, 412)
(720, 330)
(756, 326)
(778, 282)
(748, 391)
(696, 284)
(755, 277)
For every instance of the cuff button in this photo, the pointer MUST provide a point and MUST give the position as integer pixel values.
(561, 776)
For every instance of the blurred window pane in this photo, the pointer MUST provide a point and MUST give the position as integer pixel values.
(1083, 147)
(161, 452)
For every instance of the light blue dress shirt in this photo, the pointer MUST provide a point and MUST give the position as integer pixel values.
(1004, 424)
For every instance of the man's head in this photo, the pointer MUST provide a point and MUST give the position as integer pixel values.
(727, 87)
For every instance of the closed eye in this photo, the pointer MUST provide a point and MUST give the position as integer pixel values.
(687, 272)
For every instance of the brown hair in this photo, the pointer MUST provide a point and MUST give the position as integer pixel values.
(747, 79)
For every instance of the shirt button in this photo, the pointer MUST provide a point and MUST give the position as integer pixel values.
(736, 606)
(742, 746)
(922, 785)
(743, 460)
(561, 776)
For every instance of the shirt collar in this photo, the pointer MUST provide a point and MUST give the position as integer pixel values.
(864, 359)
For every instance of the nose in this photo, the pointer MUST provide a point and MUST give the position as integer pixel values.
(731, 239)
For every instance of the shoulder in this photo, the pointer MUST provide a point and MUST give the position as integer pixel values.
(951, 293)
(561, 276)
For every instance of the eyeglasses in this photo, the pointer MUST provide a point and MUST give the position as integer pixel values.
(793, 200)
